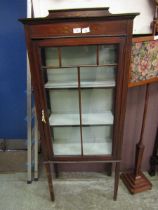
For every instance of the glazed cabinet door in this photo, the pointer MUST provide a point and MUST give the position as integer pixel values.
(81, 85)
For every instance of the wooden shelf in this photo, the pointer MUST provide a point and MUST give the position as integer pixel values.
(64, 119)
(97, 148)
(54, 85)
(67, 148)
(109, 83)
(75, 66)
(105, 118)
(88, 148)
(87, 84)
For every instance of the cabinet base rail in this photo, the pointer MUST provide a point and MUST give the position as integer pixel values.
(82, 161)
(50, 177)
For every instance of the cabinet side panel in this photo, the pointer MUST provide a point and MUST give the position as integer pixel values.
(126, 69)
(37, 93)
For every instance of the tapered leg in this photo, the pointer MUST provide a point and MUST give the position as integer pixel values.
(50, 184)
(117, 175)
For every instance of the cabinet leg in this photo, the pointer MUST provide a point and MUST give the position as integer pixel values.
(56, 170)
(116, 182)
(50, 184)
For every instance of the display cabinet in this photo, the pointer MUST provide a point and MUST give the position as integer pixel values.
(79, 63)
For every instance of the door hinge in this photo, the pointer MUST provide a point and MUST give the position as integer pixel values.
(43, 116)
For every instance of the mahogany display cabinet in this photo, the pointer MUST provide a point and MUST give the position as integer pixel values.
(79, 61)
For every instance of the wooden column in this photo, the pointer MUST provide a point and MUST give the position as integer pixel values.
(136, 181)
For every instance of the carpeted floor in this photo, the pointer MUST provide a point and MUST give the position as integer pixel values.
(73, 191)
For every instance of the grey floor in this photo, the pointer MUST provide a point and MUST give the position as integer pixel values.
(73, 191)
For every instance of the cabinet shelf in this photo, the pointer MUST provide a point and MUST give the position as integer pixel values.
(87, 84)
(88, 148)
(105, 118)
(74, 66)
(97, 148)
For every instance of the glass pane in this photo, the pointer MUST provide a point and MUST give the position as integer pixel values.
(97, 113)
(66, 140)
(107, 54)
(80, 55)
(64, 105)
(97, 140)
(96, 100)
(51, 57)
(62, 78)
(97, 94)
(97, 76)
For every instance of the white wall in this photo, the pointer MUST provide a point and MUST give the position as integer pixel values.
(141, 23)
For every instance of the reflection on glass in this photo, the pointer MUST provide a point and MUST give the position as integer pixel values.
(97, 106)
(96, 100)
(66, 141)
(107, 54)
(97, 76)
(62, 78)
(97, 140)
(64, 107)
(51, 56)
(80, 55)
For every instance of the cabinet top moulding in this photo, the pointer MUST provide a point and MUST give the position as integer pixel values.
(78, 14)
